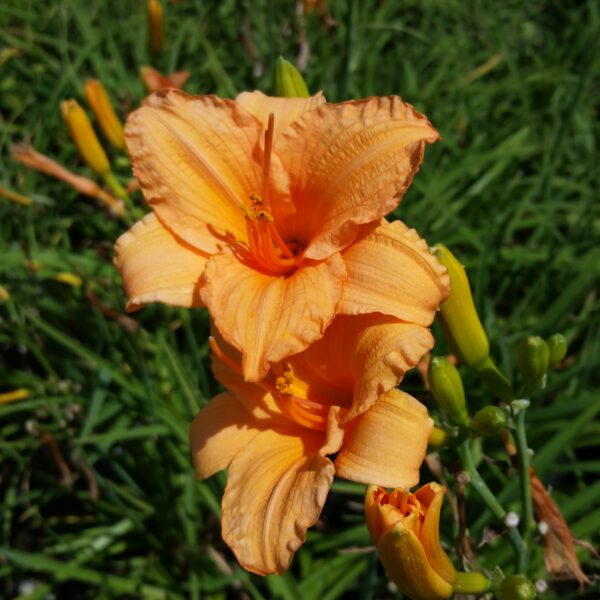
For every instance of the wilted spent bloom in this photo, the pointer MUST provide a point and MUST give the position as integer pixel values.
(405, 529)
(459, 318)
(154, 80)
(85, 138)
(99, 102)
(289, 83)
(156, 28)
(447, 389)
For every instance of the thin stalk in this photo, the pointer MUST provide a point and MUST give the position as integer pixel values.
(524, 477)
(492, 503)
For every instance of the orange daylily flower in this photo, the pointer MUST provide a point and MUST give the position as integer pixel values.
(154, 80)
(268, 211)
(338, 396)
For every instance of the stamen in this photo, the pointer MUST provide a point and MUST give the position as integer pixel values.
(267, 161)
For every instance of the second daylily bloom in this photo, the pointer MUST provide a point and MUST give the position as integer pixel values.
(268, 211)
(338, 396)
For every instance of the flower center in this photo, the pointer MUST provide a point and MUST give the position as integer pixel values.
(289, 392)
(265, 244)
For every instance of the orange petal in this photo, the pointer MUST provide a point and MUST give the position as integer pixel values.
(218, 432)
(431, 497)
(392, 271)
(276, 489)
(157, 266)
(387, 444)
(349, 164)
(193, 156)
(285, 110)
(269, 318)
(367, 355)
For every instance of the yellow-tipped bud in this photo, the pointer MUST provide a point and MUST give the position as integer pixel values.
(69, 278)
(405, 529)
(84, 137)
(156, 28)
(438, 437)
(111, 125)
(289, 83)
(459, 319)
(447, 389)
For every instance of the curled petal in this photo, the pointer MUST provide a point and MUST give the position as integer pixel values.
(276, 489)
(386, 445)
(195, 159)
(218, 432)
(269, 318)
(157, 266)
(391, 271)
(350, 164)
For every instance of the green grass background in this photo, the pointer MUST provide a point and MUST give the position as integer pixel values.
(512, 188)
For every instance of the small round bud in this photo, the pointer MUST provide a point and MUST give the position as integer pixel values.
(489, 420)
(541, 585)
(447, 389)
(516, 587)
(533, 357)
(543, 527)
(557, 346)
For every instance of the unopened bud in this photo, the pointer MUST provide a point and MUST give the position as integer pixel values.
(85, 138)
(99, 102)
(447, 389)
(289, 83)
(489, 420)
(533, 357)
(516, 587)
(156, 28)
(459, 319)
(557, 347)
(473, 582)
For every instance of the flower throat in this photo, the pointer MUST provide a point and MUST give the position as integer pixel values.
(266, 246)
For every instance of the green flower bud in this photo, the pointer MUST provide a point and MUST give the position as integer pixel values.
(473, 582)
(447, 389)
(533, 357)
(489, 420)
(516, 587)
(458, 317)
(288, 81)
(557, 346)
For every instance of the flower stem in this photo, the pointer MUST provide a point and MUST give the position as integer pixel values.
(524, 477)
(492, 503)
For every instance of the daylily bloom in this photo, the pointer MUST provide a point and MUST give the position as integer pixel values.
(269, 212)
(405, 529)
(154, 80)
(337, 396)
